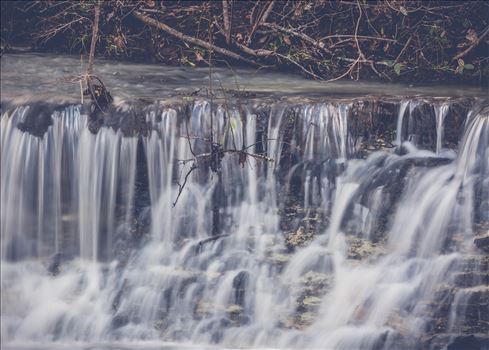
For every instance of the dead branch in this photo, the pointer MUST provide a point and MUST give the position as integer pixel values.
(302, 36)
(227, 25)
(94, 38)
(246, 49)
(187, 38)
(182, 186)
(261, 19)
(474, 44)
(298, 65)
(403, 49)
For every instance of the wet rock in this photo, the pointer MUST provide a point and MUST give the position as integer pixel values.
(236, 315)
(374, 124)
(279, 259)
(240, 282)
(421, 126)
(314, 286)
(203, 309)
(120, 321)
(117, 300)
(305, 319)
(311, 301)
(298, 238)
(55, 264)
(471, 278)
(38, 118)
(482, 242)
(362, 249)
(316, 283)
(453, 127)
(469, 342)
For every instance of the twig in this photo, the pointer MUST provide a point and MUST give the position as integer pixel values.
(403, 49)
(298, 65)
(182, 186)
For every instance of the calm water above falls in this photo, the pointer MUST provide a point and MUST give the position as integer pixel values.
(358, 235)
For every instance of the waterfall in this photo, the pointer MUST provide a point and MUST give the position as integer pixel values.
(113, 237)
(400, 117)
(440, 114)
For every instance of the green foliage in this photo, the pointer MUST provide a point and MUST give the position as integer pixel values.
(398, 67)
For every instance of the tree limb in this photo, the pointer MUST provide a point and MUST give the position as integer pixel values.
(227, 25)
(299, 35)
(261, 20)
(94, 38)
(474, 44)
(192, 40)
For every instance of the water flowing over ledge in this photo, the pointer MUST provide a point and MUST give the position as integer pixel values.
(358, 235)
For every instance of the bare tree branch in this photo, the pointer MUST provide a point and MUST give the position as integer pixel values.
(94, 38)
(262, 19)
(474, 44)
(227, 25)
(184, 37)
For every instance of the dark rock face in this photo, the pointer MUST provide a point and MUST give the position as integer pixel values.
(38, 119)
(454, 121)
(131, 121)
(120, 320)
(240, 283)
(374, 123)
(469, 342)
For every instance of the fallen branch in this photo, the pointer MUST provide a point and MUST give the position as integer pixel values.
(150, 21)
(303, 36)
(298, 65)
(246, 49)
(474, 44)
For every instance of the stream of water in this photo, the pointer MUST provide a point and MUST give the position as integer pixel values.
(321, 247)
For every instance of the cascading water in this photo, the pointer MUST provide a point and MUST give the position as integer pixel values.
(326, 246)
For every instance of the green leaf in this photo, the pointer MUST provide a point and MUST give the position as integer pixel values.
(388, 62)
(397, 68)
(469, 66)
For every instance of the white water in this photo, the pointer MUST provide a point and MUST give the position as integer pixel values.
(440, 114)
(72, 192)
(400, 118)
